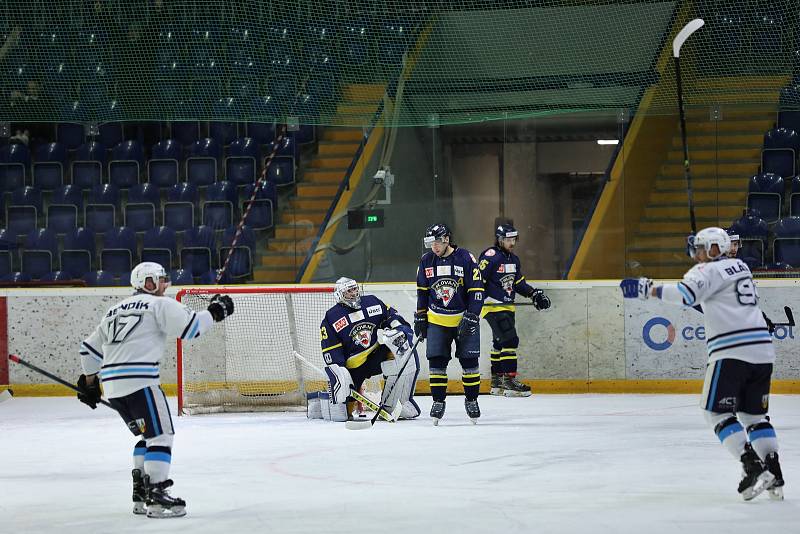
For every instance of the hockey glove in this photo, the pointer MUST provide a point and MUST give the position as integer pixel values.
(90, 394)
(421, 324)
(636, 288)
(770, 324)
(690, 250)
(540, 300)
(468, 325)
(221, 306)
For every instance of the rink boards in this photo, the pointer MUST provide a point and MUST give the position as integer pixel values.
(591, 340)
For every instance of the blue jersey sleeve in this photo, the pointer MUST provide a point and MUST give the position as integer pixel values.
(423, 288)
(473, 282)
(332, 347)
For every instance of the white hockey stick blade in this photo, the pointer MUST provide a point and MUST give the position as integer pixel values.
(684, 34)
(5, 395)
(396, 412)
(357, 425)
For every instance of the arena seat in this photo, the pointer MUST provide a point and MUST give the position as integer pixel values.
(199, 247)
(179, 207)
(14, 162)
(765, 194)
(159, 246)
(163, 165)
(201, 165)
(22, 213)
(48, 169)
(99, 214)
(78, 253)
(127, 160)
(119, 250)
(241, 165)
(99, 278)
(786, 245)
(87, 168)
(36, 258)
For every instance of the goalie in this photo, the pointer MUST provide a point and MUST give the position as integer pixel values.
(362, 337)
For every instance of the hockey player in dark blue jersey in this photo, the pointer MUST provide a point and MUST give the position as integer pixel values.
(503, 279)
(449, 299)
(361, 337)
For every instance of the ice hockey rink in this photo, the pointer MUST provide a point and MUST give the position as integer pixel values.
(549, 463)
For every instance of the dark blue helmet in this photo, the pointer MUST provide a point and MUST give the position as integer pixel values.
(436, 232)
(505, 230)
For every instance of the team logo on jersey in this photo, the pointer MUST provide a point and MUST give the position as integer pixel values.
(490, 252)
(428, 272)
(373, 310)
(458, 270)
(443, 270)
(340, 324)
(511, 267)
(765, 401)
(137, 426)
(445, 289)
(507, 282)
(362, 334)
(501, 268)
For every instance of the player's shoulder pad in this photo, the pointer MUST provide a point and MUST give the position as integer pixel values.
(465, 254)
(371, 300)
(488, 253)
(426, 257)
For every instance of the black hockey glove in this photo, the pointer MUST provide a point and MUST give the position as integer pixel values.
(421, 324)
(90, 394)
(221, 306)
(770, 324)
(468, 325)
(540, 300)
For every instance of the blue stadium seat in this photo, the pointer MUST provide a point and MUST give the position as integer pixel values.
(356, 39)
(68, 194)
(199, 247)
(765, 194)
(185, 132)
(241, 165)
(140, 211)
(753, 232)
(240, 264)
(100, 212)
(261, 215)
(79, 248)
(70, 135)
(14, 162)
(40, 249)
(48, 169)
(780, 152)
(208, 278)
(181, 277)
(786, 245)
(179, 207)
(218, 209)
(99, 279)
(111, 133)
(15, 278)
(56, 276)
(794, 198)
(62, 218)
(223, 131)
(201, 165)
(127, 161)
(8, 244)
(267, 111)
(23, 211)
(162, 167)
(87, 168)
(159, 246)
(119, 250)
(393, 39)
(281, 171)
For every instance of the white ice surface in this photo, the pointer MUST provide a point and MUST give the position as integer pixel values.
(556, 463)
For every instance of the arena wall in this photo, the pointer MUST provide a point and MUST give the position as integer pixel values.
(591, 340)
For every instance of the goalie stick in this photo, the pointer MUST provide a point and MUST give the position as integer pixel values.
(677, 43)
(386, 416)
(16, 359)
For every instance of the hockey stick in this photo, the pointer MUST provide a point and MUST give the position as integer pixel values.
(5, 395)
(386, 416)
(677, 43)
(789, 317)
(362, 425)
(493, 304)
(16, 359)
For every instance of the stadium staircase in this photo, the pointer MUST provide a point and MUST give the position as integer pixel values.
(299, 219)
(723, 155)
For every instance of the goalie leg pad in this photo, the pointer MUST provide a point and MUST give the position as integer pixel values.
(331, 411)
(313, 406)
(339, 383)
(401, 387)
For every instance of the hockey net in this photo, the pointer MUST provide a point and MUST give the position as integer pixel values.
(249, 361)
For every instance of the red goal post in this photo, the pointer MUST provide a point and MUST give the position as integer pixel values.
(247, 362)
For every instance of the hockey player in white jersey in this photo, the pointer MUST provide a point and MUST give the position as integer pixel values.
(125, 352)
(735, 396)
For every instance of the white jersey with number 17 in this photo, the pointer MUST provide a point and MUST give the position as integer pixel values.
(127, 346)
(735, 326)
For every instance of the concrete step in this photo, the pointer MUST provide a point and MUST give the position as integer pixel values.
(744, 126)
(290, 245)
(363, 91)
(292, 216)
(313, 189)
(658, 256)
(310, 203)
(729, 182)
(723, 84)
(680, 211)
(294, 232)
(658, 241)
(355, 107)
(330, 162)
(285, 260)
(721, 154)
(728, 140)
(324, 176)
(337, 148)
(745, 169)
(680, 225)
(274, 275)
(724, 197)
(342, 134)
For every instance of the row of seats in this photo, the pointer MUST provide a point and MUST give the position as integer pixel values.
(780, 152)
(223, 204)
(120, 251)
(168, 164)
(756, 239)
(766, 193)
(178, 277)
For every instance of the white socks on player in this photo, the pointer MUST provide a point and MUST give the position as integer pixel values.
(729, 431)
(158, 458)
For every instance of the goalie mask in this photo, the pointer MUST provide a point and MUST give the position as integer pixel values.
(348, 293)
(708, 237)
(145, 270)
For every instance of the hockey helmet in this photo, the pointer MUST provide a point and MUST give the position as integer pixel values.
(505, 230)
(732, 234)
(145, 270)
(436, 232)
(347, 292)
(707, 237)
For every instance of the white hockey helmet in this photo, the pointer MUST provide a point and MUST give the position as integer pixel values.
(707, 237)
(145, 270)
(347, 292)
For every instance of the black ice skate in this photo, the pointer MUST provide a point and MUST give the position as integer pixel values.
(437, 411)
(755, 477)
(497, 385)
(139, 493)
(514, 388)
(473, 410)
(160, 504)
(776, 489)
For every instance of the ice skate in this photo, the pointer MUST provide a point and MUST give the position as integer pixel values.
(437, 411)
(497, 385)
(512, 387)
(139, 493)
(160, 504)
(473, 410)
(776, 489)
(755, 477)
